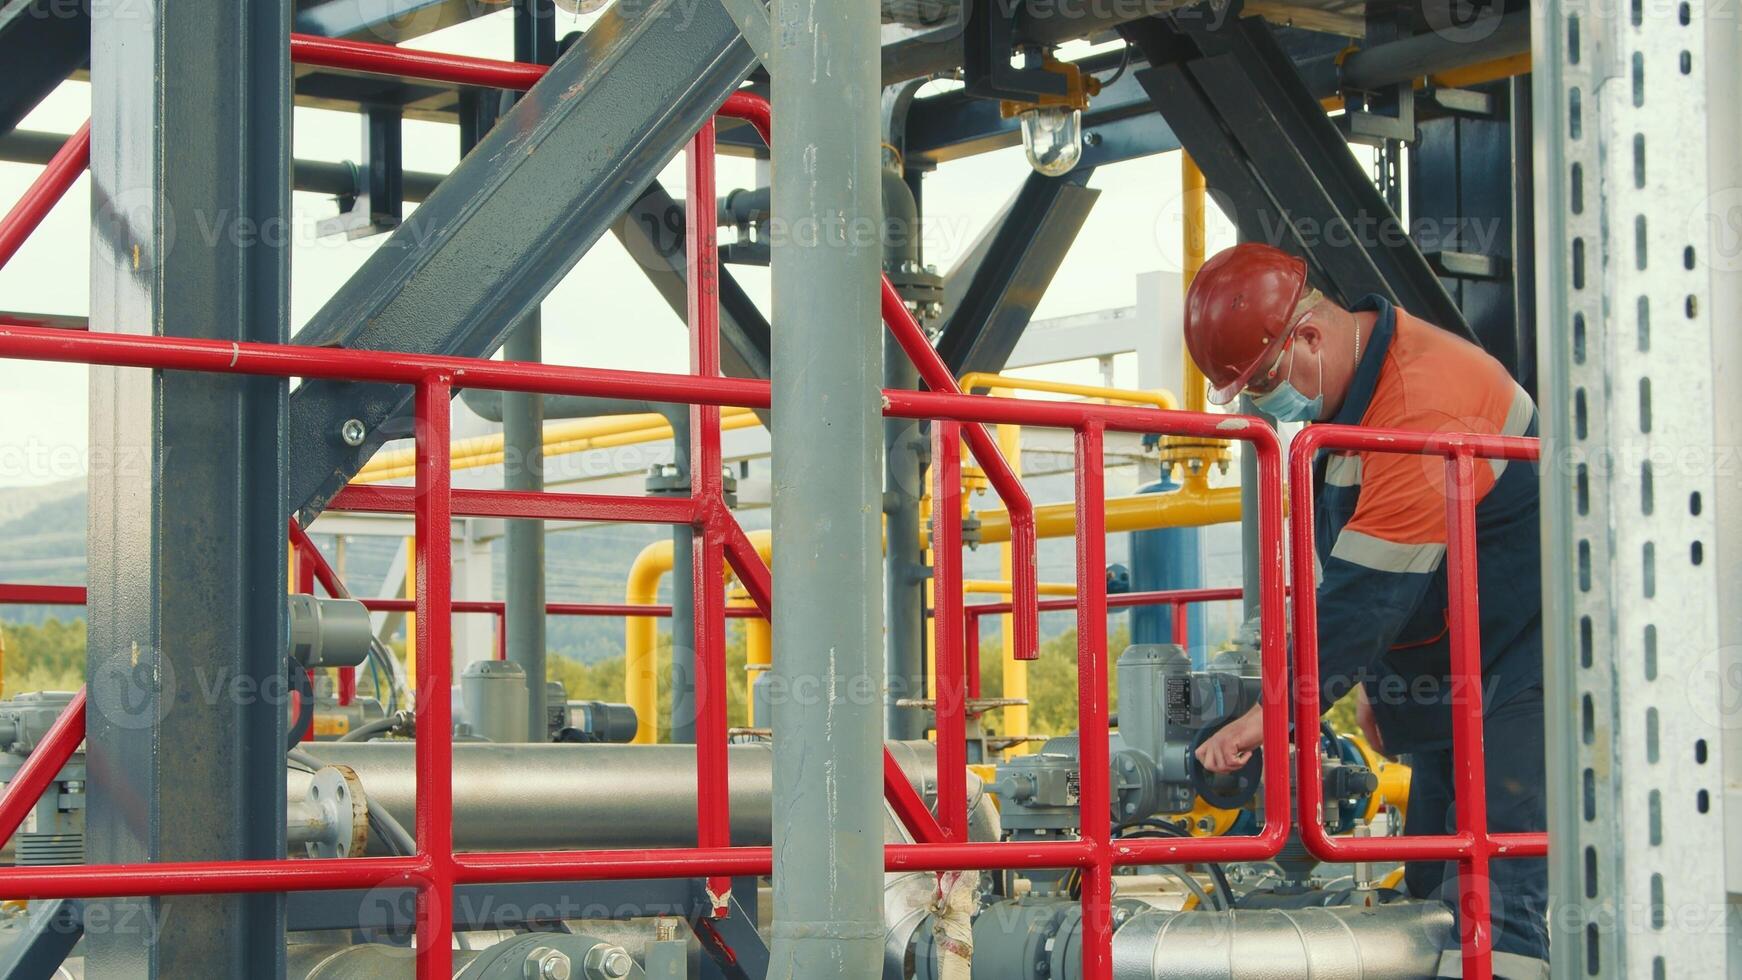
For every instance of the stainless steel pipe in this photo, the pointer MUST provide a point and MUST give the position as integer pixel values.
(550, 795)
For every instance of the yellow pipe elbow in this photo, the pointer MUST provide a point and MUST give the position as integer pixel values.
(641, 633)
(640, 683)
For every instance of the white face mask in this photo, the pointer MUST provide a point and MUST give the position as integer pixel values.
(1285, 403)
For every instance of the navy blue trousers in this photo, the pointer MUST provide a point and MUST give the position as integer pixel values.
(1517, 801)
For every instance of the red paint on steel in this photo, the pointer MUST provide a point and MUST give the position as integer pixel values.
(430, 66)
(1092, 751)
(713, 793)
(949, 663)
(42, 595)
(909, 806)
(435, 747)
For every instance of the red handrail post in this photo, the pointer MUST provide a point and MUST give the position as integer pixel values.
(435, 748)
(713, 790)
(1095, 778)
(1463, 619)
(949, 666)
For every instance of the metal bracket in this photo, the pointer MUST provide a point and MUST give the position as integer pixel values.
(988, 38)
(377, 202)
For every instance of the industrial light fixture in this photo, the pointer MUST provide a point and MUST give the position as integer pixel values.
(1052, 126)
(1052, 138)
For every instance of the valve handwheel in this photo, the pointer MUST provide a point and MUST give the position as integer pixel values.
(1224, 790)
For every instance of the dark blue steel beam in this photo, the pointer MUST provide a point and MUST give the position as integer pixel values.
(50, 931)
(991, 294)
(516, 214)
(42, 42)
(1470, 206)
(185, 659)
(1265, 143)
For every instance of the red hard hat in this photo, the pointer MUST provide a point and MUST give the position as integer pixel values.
(1238, 313)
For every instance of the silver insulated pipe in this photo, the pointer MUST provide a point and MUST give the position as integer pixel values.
(553, 795)
(1386, 942)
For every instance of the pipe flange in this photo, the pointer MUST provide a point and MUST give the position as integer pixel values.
(338, 793)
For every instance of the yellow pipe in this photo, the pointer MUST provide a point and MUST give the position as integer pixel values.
(1192, 193)
(411, 618)
(758, 634)
(983, 586)
(758, 657)
(640, 680)
(1141, 512)
(1480, 73)
(572, 436)
(1159, 399)
(567, 446)
(640, 687)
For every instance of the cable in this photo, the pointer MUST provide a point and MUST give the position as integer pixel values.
(374, 677)
(368, 730)
(1161, 828)
(378, 654)
(1124, 63)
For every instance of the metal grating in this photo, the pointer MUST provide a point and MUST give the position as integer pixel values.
(1633, 597)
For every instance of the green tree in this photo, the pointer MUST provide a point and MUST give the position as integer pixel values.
(49, 656)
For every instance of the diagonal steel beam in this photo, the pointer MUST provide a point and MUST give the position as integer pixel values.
(515, 215)
(1240, 107)
(42, 42)
(991, 294)
(652, 232)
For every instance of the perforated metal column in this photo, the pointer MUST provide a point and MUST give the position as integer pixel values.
(1638, 257)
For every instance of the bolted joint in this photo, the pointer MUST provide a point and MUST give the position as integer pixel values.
(544, 963)
(352, 432)
(607, 962)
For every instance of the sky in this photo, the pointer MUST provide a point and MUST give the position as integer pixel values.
(603, 314)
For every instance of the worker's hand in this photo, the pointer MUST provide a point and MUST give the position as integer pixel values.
(1369, 727)
(1231, 747)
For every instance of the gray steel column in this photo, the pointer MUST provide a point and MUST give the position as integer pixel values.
(190, 168)
(523, 441)
(904, 567)
(1639, 285)
(904, 444)
(523, 469)
(828, 814)
(682, 724)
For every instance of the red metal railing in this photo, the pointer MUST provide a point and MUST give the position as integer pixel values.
(1472, 846)
(436, 868)
(1178, 601)
(432, 501)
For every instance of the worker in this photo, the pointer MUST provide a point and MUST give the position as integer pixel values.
(1256, 326)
